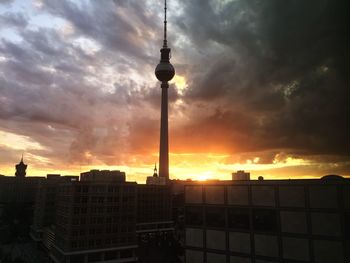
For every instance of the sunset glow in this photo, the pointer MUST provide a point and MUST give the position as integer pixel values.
(78, 91)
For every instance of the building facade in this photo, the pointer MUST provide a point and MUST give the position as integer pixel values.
(17, 201)
(268, 221)
(95, 222)
(45, 207)
(101, 218)
(154, 209)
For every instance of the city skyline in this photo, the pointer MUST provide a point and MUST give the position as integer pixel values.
(259, 86)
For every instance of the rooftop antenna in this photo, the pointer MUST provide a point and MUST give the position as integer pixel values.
(165, 43)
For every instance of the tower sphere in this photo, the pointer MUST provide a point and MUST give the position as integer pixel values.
(165, 71)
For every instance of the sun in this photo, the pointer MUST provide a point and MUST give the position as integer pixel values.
(180, 82)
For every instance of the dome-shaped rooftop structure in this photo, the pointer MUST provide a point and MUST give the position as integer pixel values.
(332, 177)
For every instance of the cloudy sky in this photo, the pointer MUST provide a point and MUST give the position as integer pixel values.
(260, 85)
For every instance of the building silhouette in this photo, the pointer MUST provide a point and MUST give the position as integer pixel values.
(268, 221)
(21, 169)
(156, 179)
(44, 218)
(96, 220)
(240, 175)
(102, 218)
(17, 202)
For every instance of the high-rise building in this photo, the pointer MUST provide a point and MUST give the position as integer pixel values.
(164, 73)
(45, 207)
(154, 209)
(265, 221)
(95, 221)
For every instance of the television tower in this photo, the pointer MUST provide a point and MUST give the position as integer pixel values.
(164, 73)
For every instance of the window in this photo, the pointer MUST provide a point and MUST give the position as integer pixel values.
(77, 259)
(347, 225)
(194, 215)
(81, 243)
(215, 216)
(265, 220)
(127, 253)
(110, 255)
(94, 257)
(238, 218)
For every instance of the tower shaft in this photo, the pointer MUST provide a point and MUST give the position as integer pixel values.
(164, 143)
(164, 73)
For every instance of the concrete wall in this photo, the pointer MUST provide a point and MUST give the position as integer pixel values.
(293, 222)
(193, 194)
(266, 245)
(215, 194)
(194, 237)
(327, 224)
(216, 258)
(296, 248)
(346, 196)
(216, 239)
(239, 260)
(237, 195)
(323, 196)
(193, 256)
(263, 195)
(239, 242)
(328, 251)
(292, 196)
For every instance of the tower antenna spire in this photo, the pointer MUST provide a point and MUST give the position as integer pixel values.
(164, 73)
(165, 43)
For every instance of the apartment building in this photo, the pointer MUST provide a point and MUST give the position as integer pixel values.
(45, 207)
(268, 221)
(95, 222)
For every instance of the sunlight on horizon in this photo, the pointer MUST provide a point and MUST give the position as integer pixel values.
(201, 167)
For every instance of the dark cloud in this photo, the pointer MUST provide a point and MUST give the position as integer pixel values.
(6, 2)
(13, 20)
(283, 65)
(122, 27)
(264, 78)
